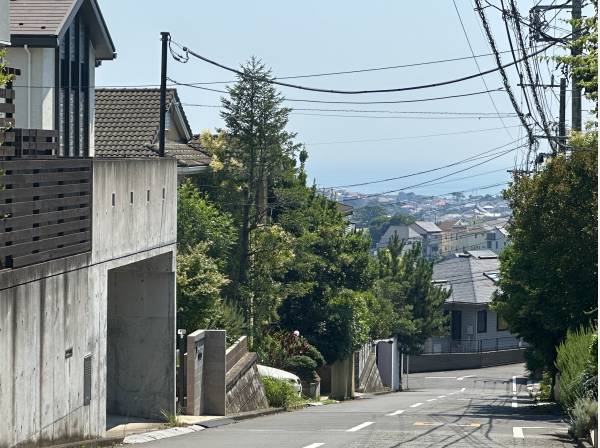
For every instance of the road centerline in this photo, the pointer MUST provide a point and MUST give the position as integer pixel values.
(359, 427)
(398, 412)
(314, 445)
(415, 405)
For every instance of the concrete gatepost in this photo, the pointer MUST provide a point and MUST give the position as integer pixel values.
(342, 379)
(206, 372)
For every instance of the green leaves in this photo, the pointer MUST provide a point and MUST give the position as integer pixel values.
(548, 274)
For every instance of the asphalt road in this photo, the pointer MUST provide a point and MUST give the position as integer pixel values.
(474, 408)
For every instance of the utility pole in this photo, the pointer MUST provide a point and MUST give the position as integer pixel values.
(562, 128)
(575, 51)
(163, 93)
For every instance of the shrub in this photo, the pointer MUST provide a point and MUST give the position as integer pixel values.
(280, 393)
(584, 417)
(545, 387)
(572, 359)
(314, 354)
(303, 366)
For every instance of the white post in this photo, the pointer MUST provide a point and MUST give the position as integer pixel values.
(395, 383)
(407, 367)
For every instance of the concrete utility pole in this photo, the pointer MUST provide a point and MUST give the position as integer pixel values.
(562, 128)
(575, 51)
(163, 93)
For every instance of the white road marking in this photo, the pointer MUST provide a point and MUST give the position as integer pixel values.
(463, 377)
(415, 405)
(514, 384)
(451, 393)
(440, 377)
(463, 389)
(398, 412)
(432, 399)
(314, 445)
(359, 427)
(442, 396)
(514, 402)
(518, 430)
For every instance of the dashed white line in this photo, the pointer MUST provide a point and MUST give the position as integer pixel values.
(451, 393)
(314, 445)
(440, 377)
(415, 405)
(359, 427)
(463, 389)
(432, 399)
(463, 377)
(398, 412)
(442, 396)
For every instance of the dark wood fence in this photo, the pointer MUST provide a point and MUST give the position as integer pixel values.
(45, 209)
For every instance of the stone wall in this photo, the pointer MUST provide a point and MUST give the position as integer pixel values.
(245, 391)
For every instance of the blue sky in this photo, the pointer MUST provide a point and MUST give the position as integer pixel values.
(295, 38)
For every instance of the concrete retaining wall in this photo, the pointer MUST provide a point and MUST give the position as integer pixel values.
(245, 392)
(55, 314)
(460, 361)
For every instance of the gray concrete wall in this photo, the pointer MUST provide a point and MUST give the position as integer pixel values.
(245, 391)
(49, 308)
(141, 328)
(205, 388)
(461, 361)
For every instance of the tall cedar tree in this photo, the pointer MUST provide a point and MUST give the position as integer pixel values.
(258, 152)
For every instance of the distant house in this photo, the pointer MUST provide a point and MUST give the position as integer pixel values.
(426, 233)
(460, 237)
(127, 122)
(472, 278)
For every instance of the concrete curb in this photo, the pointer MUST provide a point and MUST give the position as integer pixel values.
(91, 443)
(253, 414)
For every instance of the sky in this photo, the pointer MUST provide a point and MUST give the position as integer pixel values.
(307, 37)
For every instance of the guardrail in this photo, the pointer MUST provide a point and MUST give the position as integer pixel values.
(45, 210)
(472, 345)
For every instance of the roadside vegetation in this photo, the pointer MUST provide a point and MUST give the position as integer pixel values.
(262, 253)
(281, 394)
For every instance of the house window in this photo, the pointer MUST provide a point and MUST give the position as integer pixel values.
(501, 324)
(482, 321)
(489, 244)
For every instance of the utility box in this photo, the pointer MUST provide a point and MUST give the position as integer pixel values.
(4, 22)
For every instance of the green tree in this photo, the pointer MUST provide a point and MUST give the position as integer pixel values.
(405, 280)
(258, 151)
(548, 275)
(198, 220)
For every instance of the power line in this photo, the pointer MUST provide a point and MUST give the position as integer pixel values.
(479, 68)
(397, 117)
(476, 114)
(501, 67)
(437, 178)
(358, 92)
(408, 137)
(468, 159)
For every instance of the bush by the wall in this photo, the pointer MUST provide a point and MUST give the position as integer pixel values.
(280, 393)
(584, 417)
(572, 359)
(303, 366)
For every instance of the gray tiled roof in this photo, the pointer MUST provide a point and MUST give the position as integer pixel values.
(465, 275)
(41, 17)
(127, 122)
(428, 226)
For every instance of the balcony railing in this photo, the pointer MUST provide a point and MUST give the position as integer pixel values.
(45, 209)
(448, 345)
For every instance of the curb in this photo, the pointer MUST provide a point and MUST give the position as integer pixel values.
(90, 443)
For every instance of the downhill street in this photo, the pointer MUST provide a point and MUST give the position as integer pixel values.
(469, 408)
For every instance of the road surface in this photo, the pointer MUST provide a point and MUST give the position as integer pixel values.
(473, 408)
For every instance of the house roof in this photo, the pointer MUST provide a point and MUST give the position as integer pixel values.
(344, 209)
(43, 22)
(428, 227)
(127, 123)
(404, 233)
(469, 277)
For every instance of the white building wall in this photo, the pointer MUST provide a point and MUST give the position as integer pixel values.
(36, 112)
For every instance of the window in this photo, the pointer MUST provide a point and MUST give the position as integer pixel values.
(489, 244)
(501, 324)
(482, 321)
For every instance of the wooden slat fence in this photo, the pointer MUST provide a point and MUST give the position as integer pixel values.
(45, 210)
